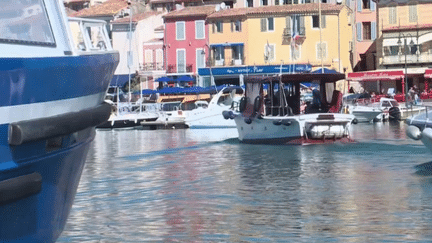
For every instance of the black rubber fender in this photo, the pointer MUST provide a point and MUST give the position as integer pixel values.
(242, 106)
(257, 104)
(225, 115)
(247, 120)
(286, 122)
(277, 122)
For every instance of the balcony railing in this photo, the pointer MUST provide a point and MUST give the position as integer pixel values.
(182, 68)
(412, 58)
(226, 62)
(152, 66)
(287, 32)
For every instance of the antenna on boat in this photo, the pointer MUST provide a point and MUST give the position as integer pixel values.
(129, 56)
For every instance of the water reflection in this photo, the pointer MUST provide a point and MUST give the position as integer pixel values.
(203, 186)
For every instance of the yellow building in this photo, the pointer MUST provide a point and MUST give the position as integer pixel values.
(287, 34)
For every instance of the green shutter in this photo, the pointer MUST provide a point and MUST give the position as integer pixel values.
(323, 21)
(263, 25)
(302, 30)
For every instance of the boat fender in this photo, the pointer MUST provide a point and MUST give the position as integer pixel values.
(226, 115)
(247, 120)
(242, 106)
(354, 121)
(286, 122)
(277, 122)
(49, 127)
(257, 104)
(413, 132)
(231, 115)
(20, 187)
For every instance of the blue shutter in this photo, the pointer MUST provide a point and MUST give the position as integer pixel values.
(359, 5)
(359, 31)
(372, 5)
(373, 30)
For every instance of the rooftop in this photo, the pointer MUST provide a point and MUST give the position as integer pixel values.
(136, 17)
(308, 8)
(108, 8)
(204, 10)
(408, 27)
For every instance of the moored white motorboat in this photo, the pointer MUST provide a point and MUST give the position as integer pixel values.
(129, 115)
(420, 127)
(52, 99)
(274, 117)
(211, 116)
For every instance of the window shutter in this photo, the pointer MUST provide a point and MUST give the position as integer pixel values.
(324, 50)
(288, 25)
(359, 31)
(372, 5)
(323, 21)
(263, 25)
(232, 25)
(318, 51)
(199, 30)
(240, 25)
(271, 53)
(221, 25)
(359, 5)
(373, 31)
(181, 67)
(288, 22)
(233, 53)
(214, 27)
(302, 30)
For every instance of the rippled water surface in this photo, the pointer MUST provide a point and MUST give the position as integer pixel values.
(204, 186)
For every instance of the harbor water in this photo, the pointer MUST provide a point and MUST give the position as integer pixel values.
(198, 185)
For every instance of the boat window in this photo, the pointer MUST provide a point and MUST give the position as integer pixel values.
(25, 22)
(394, 103)
(386, 104)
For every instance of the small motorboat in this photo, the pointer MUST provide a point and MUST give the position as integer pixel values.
(270, 111)
(211, 116)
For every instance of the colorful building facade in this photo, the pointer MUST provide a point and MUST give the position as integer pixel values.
(285, 36)
(186, 40)
(403, 48)
(365, 29)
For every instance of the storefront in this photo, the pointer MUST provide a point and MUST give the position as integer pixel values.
(235, 75)
(394, 82)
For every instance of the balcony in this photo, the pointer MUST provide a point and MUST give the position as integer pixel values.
(152, 66)
(180, 68)
(227, 62)
(412, 58)
(287, 32)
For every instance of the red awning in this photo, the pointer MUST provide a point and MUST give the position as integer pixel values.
(428, 73)
(376, 75)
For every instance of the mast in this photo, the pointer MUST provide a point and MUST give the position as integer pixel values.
(129, 56)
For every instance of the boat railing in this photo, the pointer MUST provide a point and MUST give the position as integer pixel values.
(89, 35)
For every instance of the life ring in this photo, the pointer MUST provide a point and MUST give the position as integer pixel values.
(242, 106)
(257, 104)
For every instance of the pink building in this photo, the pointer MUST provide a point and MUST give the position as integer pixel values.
(186, 40)
(364, 49)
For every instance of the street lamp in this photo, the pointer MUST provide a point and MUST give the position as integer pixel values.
(405, 47)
